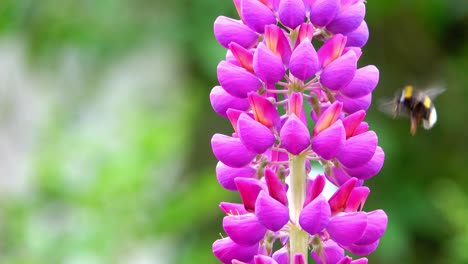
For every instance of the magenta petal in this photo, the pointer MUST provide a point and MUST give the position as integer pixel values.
(304, 61)
(363, 250)
(294, 135)
(236, 80)
(329, 141)
(328, 117)
(262, 259)
(271, 213)
(357, 199)
(255, 136)
(256, 15)
(340, 198)
(340, 72)
(347, 228)
(277, 42)
(232, 208)
(352, 122)
(276, 189)
(227, 30)
(281, 256)
(348, 19)
(358, 150)
(226, 175)
(291, 13)
(226, 250)
(364, 82)
(299, 259)
(314, 188)
(249, 189)
(358, 37)
(337, 176)
(332, 253)
(231, 151)
(322, 12)
(355, 104)
(315, 216)
(267, 65)
(264, 111)
(360, 261)
(244, 229)
(376, 225)
(306, 31)
(222, 101)
(243, 56)
(296, 102)
(331, 49)
(371, 168)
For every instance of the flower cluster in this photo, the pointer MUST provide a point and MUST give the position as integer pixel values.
(295, 105)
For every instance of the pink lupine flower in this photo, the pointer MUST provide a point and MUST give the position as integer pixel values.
(272, 73)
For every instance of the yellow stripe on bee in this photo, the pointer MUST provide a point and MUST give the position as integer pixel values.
(408, 91)
(427, 102)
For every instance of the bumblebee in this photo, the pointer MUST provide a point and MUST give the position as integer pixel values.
(417, 104)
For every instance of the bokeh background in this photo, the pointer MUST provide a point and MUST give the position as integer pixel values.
(105, 126)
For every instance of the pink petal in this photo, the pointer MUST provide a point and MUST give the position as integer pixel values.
(304, 61)
(267, 65)
(351, 105)
(255, 136)
(348, 19)
(363, 250)
(226, 175)
(328, 117)
(261, 259)
(249, 189)
(340, 72)
(276, 189)
(358, 150)
(299, 259)
(331, 49)
(281, 256)
(358, 37)
(371, 168)
(314, 188)
(352, 122)
(221, 101)
(364, 82)
(339, 200)
(322, 12)
(256, 15)
(242, 55)
(315, 216)
(337, 176)
(329, 141)
(264, 111)
(244, 229)
(277, 42)
(227, 30)
(347, 228)
(294, 135)
(271, 213)
(332, 253)
(226, 250)
(306, 31)
(357, 199)
(231, 151)
(232, 208)
(291, 13)
(376, 225)
(237, 81)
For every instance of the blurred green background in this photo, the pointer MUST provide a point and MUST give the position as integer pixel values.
(105, 125)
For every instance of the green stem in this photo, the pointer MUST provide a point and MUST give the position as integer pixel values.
(298, 238)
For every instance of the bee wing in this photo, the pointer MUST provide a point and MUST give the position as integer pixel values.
(388, 107)
(434, 91)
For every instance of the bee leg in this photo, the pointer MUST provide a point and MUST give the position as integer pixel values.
(414, 125)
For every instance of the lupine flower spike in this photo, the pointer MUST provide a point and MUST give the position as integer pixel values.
(295, 105)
